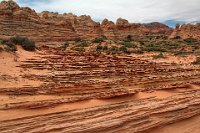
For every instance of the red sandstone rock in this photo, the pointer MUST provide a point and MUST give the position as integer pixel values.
(187, 31)
(58, 28)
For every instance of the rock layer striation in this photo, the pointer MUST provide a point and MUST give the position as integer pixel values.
(54, 27)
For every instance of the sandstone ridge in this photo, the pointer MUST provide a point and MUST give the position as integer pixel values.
(55, 28)
(187, 31)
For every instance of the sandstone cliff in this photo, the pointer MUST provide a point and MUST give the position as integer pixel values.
(48, 27)
(187, 31)
(26, 22)
(51, 27)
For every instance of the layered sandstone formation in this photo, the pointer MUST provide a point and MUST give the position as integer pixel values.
(63, 91)
(26, 22)
(47, 26)
(187, 31)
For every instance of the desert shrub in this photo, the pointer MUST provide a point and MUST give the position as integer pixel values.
(8, 45)
(129, 38)
(172, 45)
(116, 50)
(159, 56)
(113, 50)
(98, 40)
(123, 49)
(142, 42)
(82, 43)
(197, 62)
(3, 41)
(128, 44)
(101, 48)
(151, 44)
(24, 42)
(154, 49)
(105, 48)
(11, 46)
(137, 51)
(191, 41)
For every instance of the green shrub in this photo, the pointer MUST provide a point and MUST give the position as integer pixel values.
(113, 50)
(129, 38)
(154, 49)
(11, 46)
(123, 49)
(151, 44)
(116, 50)
(101, 48)
(98, 40)
(24, 42)
(105, 48)
(191, 41)
(128, 44)
(142, 42)
(82, 43)
(172, 45)
(137, 51)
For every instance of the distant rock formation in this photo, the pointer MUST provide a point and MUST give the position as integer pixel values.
(187, 31)
(48, 27)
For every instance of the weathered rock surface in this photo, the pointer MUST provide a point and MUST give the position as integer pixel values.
(187, 31)
(53, 90)
(47, 26)
(94, 92)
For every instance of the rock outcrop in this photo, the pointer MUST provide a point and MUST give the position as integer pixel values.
(78, 93)
(26, 22)
(186, 31)
(48, 27)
